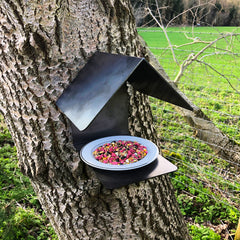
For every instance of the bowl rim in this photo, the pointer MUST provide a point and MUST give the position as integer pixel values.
(87, 150)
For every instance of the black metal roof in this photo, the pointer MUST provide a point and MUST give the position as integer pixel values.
(103, 76)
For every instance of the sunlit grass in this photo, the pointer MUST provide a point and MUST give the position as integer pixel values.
(207, 186)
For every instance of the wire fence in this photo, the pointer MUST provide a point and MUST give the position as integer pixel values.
(212, 93)
(196, 160)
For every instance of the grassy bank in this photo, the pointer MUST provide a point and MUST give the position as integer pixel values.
(207, 187)
(21, 216)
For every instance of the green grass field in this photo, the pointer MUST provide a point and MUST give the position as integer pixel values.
(204, 86)
(224, 52)
(21, 216)
(208, 188)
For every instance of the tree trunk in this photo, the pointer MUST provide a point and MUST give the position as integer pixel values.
(43, 44)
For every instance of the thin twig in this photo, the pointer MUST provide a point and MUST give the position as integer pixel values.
(160, 24)
(187, 10)
(191, 58)
(222, 75)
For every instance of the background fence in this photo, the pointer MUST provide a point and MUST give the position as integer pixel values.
(212, 84)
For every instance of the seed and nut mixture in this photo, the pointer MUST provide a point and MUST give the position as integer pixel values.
(120, 152)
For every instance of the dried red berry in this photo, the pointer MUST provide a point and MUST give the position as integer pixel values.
(120, 152)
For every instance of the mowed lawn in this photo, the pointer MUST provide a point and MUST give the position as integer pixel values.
(212, 83)
(207, 186)
(223, 55)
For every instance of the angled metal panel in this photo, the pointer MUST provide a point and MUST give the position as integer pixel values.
(93, 87)
(103, 76)
(111, 120)
(147, 80)
(117, 179)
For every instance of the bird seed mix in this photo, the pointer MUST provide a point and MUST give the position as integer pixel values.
(120, 152)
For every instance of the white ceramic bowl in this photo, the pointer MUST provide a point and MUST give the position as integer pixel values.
(86, 153)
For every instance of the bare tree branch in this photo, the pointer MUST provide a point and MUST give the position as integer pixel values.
(205, 129)
(160, 24)
(191, 58)
(222, 75)
(187, 10)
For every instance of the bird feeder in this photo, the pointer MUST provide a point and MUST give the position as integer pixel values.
(97, 102)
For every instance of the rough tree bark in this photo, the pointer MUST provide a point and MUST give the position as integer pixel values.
(43, 44)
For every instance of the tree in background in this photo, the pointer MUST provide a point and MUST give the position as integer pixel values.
(169, 9)
(189, 12)
(43, 45)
